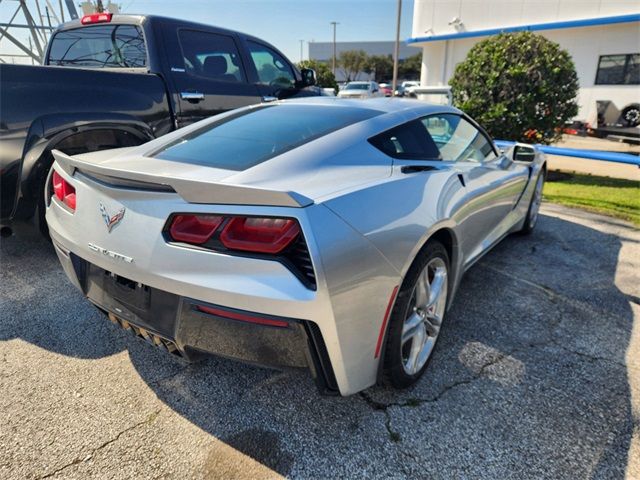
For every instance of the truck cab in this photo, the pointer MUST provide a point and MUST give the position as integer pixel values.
(207, 70)
(111, 81)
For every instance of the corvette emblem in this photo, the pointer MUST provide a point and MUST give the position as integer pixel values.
(111, 221)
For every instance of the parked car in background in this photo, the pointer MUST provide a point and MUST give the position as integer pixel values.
(404, 88)
(386, 90)
(360, 90)
(410, 83)
(212, 239)
(121, 80)
(399, 91)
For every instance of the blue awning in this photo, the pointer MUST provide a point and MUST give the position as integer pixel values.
(585, 22)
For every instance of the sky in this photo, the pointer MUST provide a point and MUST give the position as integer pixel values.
(282, 23)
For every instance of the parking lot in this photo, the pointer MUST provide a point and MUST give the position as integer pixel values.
(537, 375)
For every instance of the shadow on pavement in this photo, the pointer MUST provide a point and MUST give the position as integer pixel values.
(529, 378)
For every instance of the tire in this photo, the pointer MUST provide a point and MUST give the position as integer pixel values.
(419, 319)
(41, 209)
(631, 115)
(534, 206)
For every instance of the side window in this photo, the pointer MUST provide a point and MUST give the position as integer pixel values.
(457, 140)
(408, 141)
(272, 68)
(211, 55)
(618, 70)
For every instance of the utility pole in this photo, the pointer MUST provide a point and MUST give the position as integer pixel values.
(301, 47)
(396, 54)
(334, 48)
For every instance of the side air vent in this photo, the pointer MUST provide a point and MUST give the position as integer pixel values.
(298, 255)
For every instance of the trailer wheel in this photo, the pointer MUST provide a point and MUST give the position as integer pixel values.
(631, 116)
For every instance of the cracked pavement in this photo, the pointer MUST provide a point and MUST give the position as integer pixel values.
(536, 375)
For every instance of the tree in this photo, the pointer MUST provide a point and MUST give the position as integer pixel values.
(519, 86)
(409, 68)
(352, 62)
(381, 66)
(324, 75)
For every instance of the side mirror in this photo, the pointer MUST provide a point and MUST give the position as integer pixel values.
(375, 90)
(308, 77)
(523, 153)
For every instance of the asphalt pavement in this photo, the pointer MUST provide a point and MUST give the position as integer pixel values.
(536, 375)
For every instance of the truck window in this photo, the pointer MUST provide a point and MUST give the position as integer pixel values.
(272, 68)
(101, 46)
(211, 55)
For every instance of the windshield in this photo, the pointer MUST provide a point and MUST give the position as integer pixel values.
(357, 86)
(119, 46)
(253, 136)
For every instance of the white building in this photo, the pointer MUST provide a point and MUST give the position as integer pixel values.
(602, 36)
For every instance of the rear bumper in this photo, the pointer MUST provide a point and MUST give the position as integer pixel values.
(177, 323)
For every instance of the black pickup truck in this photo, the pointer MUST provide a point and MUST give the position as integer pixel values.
(134, 78)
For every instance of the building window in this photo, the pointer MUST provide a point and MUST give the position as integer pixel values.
(619, 70)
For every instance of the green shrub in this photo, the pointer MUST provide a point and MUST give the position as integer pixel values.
(519, 86)
(324, 75)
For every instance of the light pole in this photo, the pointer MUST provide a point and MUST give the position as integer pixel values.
(301, 47)
(396, 54)
(334, 48)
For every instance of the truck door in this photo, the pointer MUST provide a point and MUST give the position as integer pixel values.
(276, 78)
(209, 76)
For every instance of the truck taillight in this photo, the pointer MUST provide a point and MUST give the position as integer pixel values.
(64, 191)
(96, 18)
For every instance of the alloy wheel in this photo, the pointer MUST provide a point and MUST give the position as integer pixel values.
(536, 201)
(424, 316)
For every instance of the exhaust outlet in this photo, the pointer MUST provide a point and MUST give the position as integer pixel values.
(5, 232)
(146, 335)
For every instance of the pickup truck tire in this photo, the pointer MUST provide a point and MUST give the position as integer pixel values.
(41, 208)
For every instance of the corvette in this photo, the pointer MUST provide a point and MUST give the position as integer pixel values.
(326, 234)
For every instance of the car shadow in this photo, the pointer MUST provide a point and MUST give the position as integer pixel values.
(530, 375)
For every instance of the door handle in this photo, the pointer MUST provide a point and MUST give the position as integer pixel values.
(193, 97)
(268, 98)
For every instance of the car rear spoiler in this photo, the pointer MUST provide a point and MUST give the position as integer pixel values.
(191, 190)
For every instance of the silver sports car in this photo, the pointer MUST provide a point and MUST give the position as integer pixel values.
(325, 234)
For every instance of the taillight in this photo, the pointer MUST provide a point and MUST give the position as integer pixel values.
(256, 234)
(96, 18)
(272, 238)
(249, 234)
(64, 191)
(195, 229)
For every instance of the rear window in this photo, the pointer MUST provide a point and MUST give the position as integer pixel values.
(99, 46)
(254, 136)
(357, 86)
